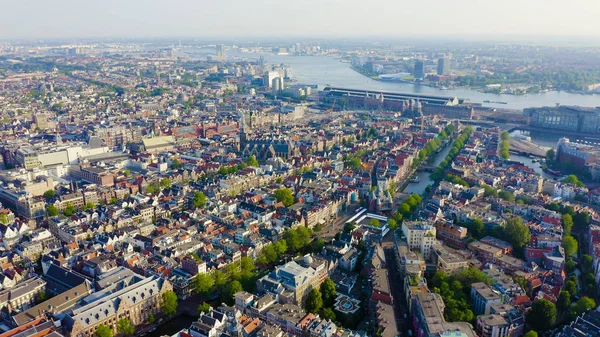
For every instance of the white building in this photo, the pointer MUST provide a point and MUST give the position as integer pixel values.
(420, 236)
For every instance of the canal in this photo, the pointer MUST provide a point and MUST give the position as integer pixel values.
(543, 139)
(423, 177)
(173, 326)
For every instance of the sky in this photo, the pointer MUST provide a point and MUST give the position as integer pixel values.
(296, 18)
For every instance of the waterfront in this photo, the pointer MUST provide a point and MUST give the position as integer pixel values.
(325, 70)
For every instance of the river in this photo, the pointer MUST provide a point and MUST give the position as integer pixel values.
(326, 70)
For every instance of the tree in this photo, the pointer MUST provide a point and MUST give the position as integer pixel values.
(522, 282)
(199, 199)
(392, 224)
(165, 183)
(570, 266)
(251, 161)
(404, 209)
(203, 283)
(280, 247)
(327, 313)
(49, 194)
(52, 210)
(41, 296)
(477, 228)
(504, 135)
(582, 305)
(567, 222)
(572, 179)
(374, 223)
(3, 218)
(230, 290)
(564, 300)
(124, 327)
(349, 227)
(531, 333)
(314, 301)
(587, 261)
(169, 303)
(550, 155)
(270, 253)
(571, 287)
(317, 245)
(506, 195)
(354, 163)
(103, 331)
(176, 164)
(69, 210)
(328, 292)
(570, 245)
(542, 315)
(516, 233)
(150, 318)
(285, 195)
(581, 219)
(220, 279)
(203, 308)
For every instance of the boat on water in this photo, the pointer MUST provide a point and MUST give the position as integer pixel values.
(553, 172)
(495, 102)
(415, 180)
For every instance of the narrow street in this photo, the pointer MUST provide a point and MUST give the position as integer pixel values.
(396, 286)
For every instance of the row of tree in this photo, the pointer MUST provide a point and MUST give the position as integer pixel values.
(407, 207)
(433, 145)
(438, 173)
(504, 145)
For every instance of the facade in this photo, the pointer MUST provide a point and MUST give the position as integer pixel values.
(566, 118)
(493, 326)
(22, 296)
(133, 298)
(292, 281)
(452, 235)
(447, 261)
(420, 236)
(443, 66)
(419, 71)
(578, 156)
(482, 298)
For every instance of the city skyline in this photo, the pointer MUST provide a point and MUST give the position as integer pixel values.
(331, 18)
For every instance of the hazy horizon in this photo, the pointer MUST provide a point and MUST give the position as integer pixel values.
(236, 19)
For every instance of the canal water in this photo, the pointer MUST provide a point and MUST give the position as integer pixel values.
(172, 327)
(424, 180)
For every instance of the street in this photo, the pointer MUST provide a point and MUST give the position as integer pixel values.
(396, 286)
